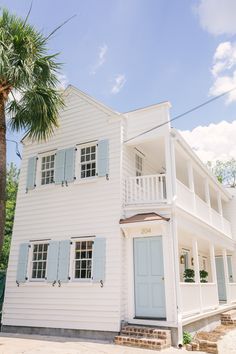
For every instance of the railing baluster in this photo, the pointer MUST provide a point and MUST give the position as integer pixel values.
(145, 189)
(161, 185)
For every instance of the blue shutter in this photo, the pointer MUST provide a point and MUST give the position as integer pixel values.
(64, 261)
(70, 165)
(99, 259)
(103, 158)
(52, 261)
(60, 166)
(31, 173)
(21, 275)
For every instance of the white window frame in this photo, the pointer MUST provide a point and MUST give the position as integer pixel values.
(73, 260)
(39, 169)
(30, 261)
(186, 253)
(138, 171)
(84, 146)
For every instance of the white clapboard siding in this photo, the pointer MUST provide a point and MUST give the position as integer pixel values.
(57, 213)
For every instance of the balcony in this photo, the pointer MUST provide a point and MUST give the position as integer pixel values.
(149, 189)
(189, 201)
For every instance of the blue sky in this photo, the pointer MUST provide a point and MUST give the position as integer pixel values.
(133, 53)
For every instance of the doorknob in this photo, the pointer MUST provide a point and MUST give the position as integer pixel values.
(163, 278)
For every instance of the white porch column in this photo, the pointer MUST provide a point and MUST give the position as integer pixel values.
(190, 175)
(213, 263)
(220, 209)
(196, 270)
(208, 197)
(226, 272)
(191, 181)
(219, 203)
(234, 266)
(170, 168)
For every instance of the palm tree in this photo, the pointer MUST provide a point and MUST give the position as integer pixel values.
(25, 69)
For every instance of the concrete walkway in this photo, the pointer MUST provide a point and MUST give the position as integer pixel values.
(22, 344)
(227, 345)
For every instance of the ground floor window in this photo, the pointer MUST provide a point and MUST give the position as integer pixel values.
(83, 259)
(39, 260)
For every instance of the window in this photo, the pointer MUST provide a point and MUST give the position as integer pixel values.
(39, 260)
(88, 161)
(83, 259)
(47, 169)
(138, 165)
(186, 258)
(204, 263)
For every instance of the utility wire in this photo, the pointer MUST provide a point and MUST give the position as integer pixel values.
(17, 147)
(183, 114)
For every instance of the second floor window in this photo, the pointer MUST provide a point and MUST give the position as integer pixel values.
(138, 165)
(88, 161)
(47, 169)
(39, 260)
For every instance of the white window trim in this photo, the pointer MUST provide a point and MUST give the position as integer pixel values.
(137, 153)
(72, 261)
(39, 171)
(80, 180)
(30, 262)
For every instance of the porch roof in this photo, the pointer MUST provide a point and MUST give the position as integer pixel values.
(143, 218)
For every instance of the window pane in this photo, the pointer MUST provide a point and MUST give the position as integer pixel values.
(39, 260)
(83, 259)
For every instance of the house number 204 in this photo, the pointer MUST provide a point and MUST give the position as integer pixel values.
(146, 231)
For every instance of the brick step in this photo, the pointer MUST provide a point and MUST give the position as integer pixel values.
(228, 318)
(145, 343)
(149, 332)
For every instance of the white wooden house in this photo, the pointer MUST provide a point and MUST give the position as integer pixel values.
(110, 212)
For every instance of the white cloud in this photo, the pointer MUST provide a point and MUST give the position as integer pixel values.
(217, 16)
(120, 80)
(101, 59)
(224, 70)
(63, 81)
(213, 142)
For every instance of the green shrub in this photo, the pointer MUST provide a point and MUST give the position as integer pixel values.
(203, 276)
(187, 338)
(189, 275)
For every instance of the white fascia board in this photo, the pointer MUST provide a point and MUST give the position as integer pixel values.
(147, 108)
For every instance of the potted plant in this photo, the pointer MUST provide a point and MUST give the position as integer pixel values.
(189, 275)
(203, 276)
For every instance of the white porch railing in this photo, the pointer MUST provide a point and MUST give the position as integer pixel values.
(197, 298)
(216, 219)
(185, 196)
(190, 298)
(232, 292)
(189, 201)
(209, 296)
(202, 209)
(146, 189)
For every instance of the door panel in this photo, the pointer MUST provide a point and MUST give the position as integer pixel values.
(220, 278)
(149, 277)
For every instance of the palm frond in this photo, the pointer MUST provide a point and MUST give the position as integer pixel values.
(26, 66)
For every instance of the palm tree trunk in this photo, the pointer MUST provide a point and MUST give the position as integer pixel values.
(2, 169)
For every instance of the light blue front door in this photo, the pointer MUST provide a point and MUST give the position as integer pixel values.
(149, 278)
(220, 278)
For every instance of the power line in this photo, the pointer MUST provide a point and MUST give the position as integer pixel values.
(183, 114)
(17, 147)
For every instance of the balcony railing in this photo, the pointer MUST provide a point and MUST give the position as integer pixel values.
(195, 205)
(146, 189)
(197, 298)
